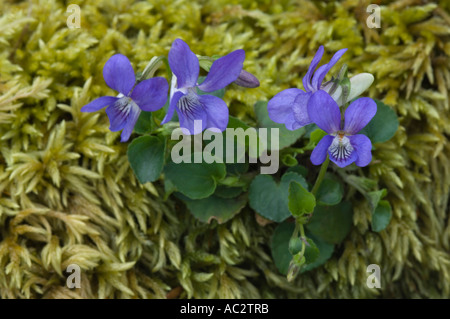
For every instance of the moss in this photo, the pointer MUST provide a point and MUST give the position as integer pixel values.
(69, 196)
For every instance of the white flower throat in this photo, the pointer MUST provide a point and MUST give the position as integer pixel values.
(124, 105)
(340, 148)
(189, 103)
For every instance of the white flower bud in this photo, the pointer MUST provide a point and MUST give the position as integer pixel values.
(358, 84)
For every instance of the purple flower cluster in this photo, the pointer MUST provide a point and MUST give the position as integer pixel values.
(150, 95)
(296, 108)
(293, 107)
(290, 107)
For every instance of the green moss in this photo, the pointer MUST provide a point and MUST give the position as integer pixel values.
(69, 196)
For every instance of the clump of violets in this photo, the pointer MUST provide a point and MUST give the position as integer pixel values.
(290, 107)
(123, 111)
(343, 143)
(184, 98)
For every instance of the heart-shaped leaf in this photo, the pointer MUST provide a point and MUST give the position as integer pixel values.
(146, 157)
(214, 207)
(270, 199)
(299, 169)
(330, 192)
(381, 217)
(280, 246)
(195, 180)
(331, 223)
(325, 252)
(144, 123)
(228, 192)
(375, 197)
(383, 125)
(317, 251)
(311, 252)
(300, 200)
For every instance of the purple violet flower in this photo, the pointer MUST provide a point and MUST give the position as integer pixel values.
(290, 107)
(123, 111)
(343, 144)
(190, 106)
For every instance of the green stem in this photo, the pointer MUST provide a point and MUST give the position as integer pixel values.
(302, 237)
(323, 170)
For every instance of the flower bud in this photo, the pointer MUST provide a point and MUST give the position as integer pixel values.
(247, 80)
(358, 84)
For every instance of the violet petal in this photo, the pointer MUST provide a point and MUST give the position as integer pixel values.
(280, 108)
(172, 106)
(184, 64)
(151, 94)
(319, 75)
(324, 111)
(99, 103)
(358, 114)
(224, 71)
(319, 153)
(363, 147)
(315, 61)
(119, 74)
(216, 110)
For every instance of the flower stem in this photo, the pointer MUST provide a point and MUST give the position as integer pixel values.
(302, 237)
(323, 170)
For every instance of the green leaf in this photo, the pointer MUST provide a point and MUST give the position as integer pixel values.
(144, 123)
(195, 180)
(214, 207)
(300, 200)
(270, 199)
(240, 144)
(280, 246)
(316, 136)
(383, 125)
(299, 169)
(228, 192)
(205, 63)
(234, 122)
(289, 160)
(146, 157)
(331, 223)
(169, 188)
(325, 253)
(316, 254)
(295, 245)
(237, 168)
(161, 113)
(311, 252)
(375, 197)
(287, 137)
(330, 192)
(381, 217)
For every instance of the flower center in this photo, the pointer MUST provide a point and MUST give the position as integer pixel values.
(340, 148)
(124, 105)
(189, 104)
